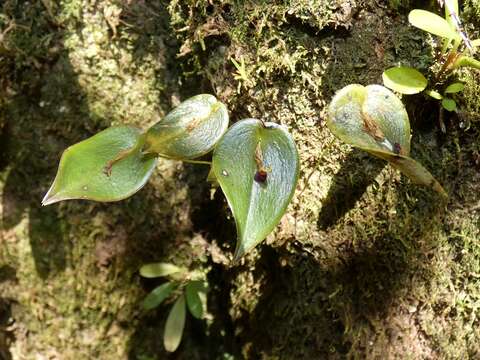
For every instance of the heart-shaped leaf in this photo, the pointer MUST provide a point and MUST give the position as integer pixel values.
(154, 270)
(190, 130)
(432, 23)
(81, 173)
(375, 120)
(257, 166)
(405, 80)
(196, 294)
(174, 325)
(158, 295)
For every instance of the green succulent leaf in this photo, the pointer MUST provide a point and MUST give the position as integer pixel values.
(373, 119)
(432, 23)
(405, 80)
(154, 270)
(158, 295)
(434, 94)
(196, 294)
(174, 326)
(449, 104)
(257, 168)
(81, 173)
(454, 88)
(190, 130)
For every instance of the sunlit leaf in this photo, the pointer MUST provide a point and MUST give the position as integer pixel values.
(405, 80)
(476, 43)
(174, 325)
(190, 130)
(434, 94)
(159, 269)
(449, 104)
(257, 169)
(82, 171)
(454, 88)
(158, 295)
(375, 120)
(196, 294)
(451, 5)
(432, 23)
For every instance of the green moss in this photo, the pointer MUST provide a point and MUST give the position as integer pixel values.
(364, 264)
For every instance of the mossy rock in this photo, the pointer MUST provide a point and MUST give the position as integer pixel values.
(364, 264)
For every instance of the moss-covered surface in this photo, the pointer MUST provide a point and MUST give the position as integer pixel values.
(363, 265)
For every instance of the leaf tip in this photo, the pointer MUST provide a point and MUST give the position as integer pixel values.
(50, 198)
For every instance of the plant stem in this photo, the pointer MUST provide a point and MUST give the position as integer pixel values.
(196, 161)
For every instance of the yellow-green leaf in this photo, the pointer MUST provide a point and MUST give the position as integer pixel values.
(375, 120)
(454, 88)
(190, 130)
(172, 335)
(404, 80)
(434, 94)
(154, 270)
(432, 23)
(82, 171)
(257, 167)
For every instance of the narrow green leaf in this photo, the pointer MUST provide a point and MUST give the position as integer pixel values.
(375, 120)
(466, 61)
(432, 23)
(190, 130)
(451, 5)
(454, 88)
(81, 173)
(196, 294)
(158, 295)
(476, 43)
(174, 325)
(434, 94)
(159, 269)
(405, 80)
(257, 168)
(449, 104)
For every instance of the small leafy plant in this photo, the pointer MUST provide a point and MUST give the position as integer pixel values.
(256, 163)
(373, 119)
(407, 80)
(190, 290)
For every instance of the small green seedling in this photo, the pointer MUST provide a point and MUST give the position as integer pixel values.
(189, 288)
(448, 103)
(373, 119)
(407, 80)
(450, 29)
(255, 163)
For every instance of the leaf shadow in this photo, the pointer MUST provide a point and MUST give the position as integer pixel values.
(348, 186)
(326, 303)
